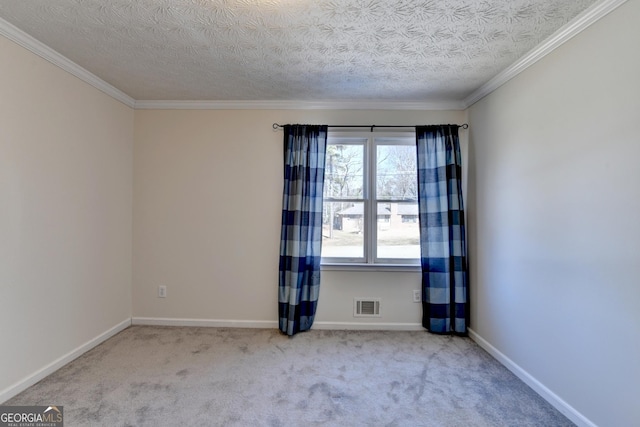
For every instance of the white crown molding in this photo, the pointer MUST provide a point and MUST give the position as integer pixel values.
(18, 36)
(581, 22)
(296, 105)
(578, 24)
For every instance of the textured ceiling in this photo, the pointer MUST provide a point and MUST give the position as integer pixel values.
(357, 50)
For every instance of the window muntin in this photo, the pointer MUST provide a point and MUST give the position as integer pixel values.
(370, 200)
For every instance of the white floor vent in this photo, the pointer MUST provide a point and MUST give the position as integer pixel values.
(366, 307)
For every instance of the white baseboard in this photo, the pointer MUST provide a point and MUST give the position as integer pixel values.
(211, 323)
(527, 378)
(27, 382)
(368, 326)
(273, 324)
(548, 395)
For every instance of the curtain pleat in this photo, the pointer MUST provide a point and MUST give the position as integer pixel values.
(301, 234)
(445, 288)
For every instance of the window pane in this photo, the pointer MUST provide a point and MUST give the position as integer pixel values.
(343, 230)
(398, 232)
(396, 172)
(344, 171)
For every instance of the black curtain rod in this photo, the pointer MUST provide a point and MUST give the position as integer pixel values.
(372, 127)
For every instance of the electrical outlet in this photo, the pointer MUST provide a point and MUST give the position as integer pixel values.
(162, 291)
(416, 295)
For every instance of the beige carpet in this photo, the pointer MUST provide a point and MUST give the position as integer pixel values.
(163, 376)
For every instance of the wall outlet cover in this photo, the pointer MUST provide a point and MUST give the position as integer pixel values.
(416, 295)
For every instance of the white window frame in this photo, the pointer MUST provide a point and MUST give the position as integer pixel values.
(370, 260)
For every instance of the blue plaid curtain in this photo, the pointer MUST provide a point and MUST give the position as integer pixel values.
(305, 148)
(445, 289)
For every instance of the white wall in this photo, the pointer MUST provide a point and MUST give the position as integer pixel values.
(65, 214)
(207, 206)
(554, 199)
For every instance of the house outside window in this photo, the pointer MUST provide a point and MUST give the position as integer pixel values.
(370, 211)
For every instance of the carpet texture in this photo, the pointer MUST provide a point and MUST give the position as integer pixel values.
(168, 376)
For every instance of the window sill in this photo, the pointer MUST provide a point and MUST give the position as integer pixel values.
(371, 267)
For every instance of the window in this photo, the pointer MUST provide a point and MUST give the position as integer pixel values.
(370, 213)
